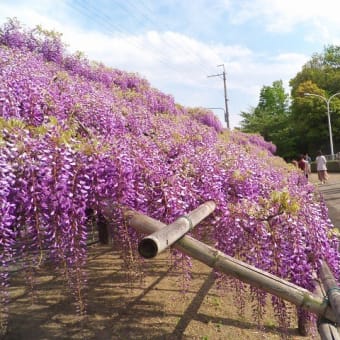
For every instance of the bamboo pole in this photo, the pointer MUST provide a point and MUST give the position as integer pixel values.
(163, 238)
(326, 328)
(332, 289)
(238, 269)
(303, 323)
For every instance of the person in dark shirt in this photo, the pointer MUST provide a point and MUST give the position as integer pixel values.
(303, 165)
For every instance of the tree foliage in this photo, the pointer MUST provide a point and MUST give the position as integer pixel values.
(271, 119)
(320, 76)
(301, 125)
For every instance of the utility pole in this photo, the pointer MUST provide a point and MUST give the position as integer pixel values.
(226, 114)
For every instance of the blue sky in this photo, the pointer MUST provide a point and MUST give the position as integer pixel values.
(176, 44)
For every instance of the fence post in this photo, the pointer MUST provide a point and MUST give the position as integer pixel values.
(332, 289)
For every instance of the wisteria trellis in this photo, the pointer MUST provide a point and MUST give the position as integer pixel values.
(76, 134)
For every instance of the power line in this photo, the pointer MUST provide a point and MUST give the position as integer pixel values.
(97, 16)
(145, 11)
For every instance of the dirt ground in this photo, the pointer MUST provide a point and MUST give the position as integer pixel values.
(119, 309)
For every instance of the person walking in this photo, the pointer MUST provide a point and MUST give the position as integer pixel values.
(321, 167)
(309, 160)
(303, 165)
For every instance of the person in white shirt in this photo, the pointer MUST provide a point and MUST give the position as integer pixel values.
(309, 160)
(321, 167)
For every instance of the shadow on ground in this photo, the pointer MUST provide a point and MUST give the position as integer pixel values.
(118, 308)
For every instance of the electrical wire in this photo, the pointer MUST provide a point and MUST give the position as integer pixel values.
(94, 14)
(147, 13)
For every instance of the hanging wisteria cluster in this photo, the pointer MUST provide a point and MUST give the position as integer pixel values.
(75, 135)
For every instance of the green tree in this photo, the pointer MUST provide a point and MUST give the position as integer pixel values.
(302, 124)
(323, 70)
(321, 76)
(309, 115)
(271, 119)
(331, 57)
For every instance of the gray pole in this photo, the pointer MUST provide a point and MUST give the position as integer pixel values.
(327, 101)
(330, 128)
(226, 113)
(225, 98)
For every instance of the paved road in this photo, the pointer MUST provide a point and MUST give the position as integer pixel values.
(331, 193)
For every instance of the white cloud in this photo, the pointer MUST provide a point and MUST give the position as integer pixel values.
(167, 56)
(34, 13)
(284, 16)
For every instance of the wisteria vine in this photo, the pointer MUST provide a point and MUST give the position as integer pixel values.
(76, 135)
